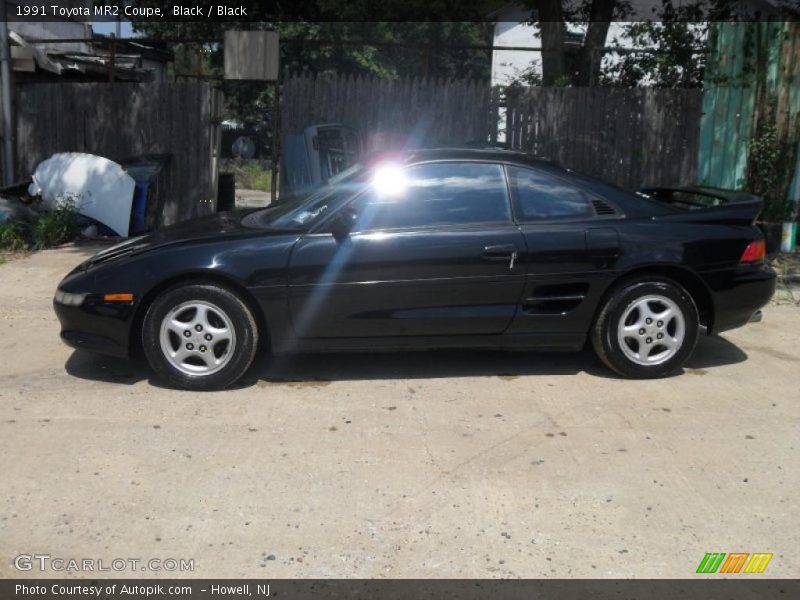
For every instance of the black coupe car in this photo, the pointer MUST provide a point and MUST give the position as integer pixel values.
(431, 249)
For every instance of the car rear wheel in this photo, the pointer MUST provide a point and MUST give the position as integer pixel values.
(199, 336)
(647, 328)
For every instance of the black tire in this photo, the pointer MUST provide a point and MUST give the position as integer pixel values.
(621, 303)
(236, 355)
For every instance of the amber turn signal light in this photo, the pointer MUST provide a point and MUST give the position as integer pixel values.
(118, 297)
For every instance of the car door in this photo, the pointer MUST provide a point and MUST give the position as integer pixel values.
(572, 243)
(433, 251)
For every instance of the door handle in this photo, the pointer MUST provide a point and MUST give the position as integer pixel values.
(503, 252)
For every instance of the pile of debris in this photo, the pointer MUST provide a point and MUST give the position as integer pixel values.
(111, 199)
(92, 60)
(787, 266)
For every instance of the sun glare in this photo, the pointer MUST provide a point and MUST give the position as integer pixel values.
(390, 180)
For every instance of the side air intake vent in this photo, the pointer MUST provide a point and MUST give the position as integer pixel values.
(603, 208)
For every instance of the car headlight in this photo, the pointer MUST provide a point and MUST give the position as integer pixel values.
(68, 299)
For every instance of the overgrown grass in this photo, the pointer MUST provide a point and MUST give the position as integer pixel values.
(55, 227)
(50, 228)
(251, 175)
(12, 237)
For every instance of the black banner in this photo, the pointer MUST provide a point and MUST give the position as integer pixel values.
(400, 589)
(243, 11)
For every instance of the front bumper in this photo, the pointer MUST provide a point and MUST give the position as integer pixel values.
(96, 326)
(737, 301)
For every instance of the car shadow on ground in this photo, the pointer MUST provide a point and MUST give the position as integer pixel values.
(715, 351)
(711, 352)
(108, 369)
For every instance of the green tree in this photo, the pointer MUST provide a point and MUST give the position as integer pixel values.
(677, 38)
(564, 62)
(669, 47)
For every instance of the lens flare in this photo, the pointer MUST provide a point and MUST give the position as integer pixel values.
(390, 180)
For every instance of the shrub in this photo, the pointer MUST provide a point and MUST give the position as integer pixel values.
(769, 173)
(11, 237)
(55, 227)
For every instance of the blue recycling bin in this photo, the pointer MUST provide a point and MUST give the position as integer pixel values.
(145, 171)
(139, 208)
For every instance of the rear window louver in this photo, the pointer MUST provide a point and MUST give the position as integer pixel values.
(603, 208)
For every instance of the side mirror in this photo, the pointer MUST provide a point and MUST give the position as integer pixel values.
(343, 222)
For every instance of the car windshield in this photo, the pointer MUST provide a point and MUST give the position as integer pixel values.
(302, 213)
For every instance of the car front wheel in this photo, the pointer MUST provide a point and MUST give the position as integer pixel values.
(647, 328)
(199, 336)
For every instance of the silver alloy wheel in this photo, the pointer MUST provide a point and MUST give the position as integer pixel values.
(197, 338)
(651, 330)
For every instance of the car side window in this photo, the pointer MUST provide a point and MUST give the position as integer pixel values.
(540, 196)
(446, 193)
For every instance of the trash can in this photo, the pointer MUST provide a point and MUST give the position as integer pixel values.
(150, 173)
(226, 192)
(139, 208)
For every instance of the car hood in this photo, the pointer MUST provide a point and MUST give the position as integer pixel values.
(213, 227)
(218, 224)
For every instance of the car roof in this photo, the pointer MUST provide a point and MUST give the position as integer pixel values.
(483, 153)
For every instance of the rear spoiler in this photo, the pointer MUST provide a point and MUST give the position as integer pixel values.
(717, 205)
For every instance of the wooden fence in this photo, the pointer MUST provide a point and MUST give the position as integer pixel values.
(389, 112)
(121, 120)
(751, 86)
(631, 137)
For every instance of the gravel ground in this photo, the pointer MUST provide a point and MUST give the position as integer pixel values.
(440, 464)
